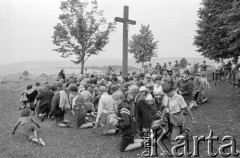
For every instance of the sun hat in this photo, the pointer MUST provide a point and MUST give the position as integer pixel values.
(143, 88)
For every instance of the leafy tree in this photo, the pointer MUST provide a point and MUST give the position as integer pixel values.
(25, 73)
(213, 29)
(143, 46)
(83, 31)
(232, 18)
(183, 62)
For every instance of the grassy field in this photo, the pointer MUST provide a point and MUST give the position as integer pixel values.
(221, 114)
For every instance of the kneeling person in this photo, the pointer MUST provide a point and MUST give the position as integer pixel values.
(125, 124)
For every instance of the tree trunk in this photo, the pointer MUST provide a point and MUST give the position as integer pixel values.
(142, 64)
(82, 67)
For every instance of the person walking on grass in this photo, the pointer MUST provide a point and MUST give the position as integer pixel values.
(185, 88)
(216, 71)
(29, 127)
(174, 106)
(125, 124)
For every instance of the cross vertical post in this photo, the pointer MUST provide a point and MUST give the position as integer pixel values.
(125, 22)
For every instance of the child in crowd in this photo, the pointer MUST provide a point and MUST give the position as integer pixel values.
(125, 124)
(28, 125)
(23, 99)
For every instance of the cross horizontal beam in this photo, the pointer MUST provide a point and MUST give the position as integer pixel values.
(132, 22)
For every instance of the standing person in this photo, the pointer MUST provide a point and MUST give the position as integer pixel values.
(176, 67)
(125, 124)
(145, 71)
(185, 87)
(170, 69)
(216, 71)
(174, 106)
(233, 72)
(164, 68)
(29, 127)
(150, 68)
(142, 111)
(158, 68)
(106, 115)
(204, 66)
(227, 72)
(62, 74)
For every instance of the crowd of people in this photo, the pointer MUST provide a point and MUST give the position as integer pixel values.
(125, 105)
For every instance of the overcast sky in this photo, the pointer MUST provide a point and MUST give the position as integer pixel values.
(26, 27)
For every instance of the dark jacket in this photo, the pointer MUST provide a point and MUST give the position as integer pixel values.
(142, 113)
(31, 95)
(44, 101)
(55, 110)
(126, 124)
(186, 87)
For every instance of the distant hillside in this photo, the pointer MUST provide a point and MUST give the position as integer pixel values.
(53, 67)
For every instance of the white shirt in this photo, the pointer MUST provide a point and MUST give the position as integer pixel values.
(157, 90)
(105, 104)
(176, 103)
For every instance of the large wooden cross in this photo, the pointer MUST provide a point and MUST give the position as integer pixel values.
(125, 22)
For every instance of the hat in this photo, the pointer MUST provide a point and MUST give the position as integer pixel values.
(80, 88)
(25, 113)
(143, 88)
(148, 75)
